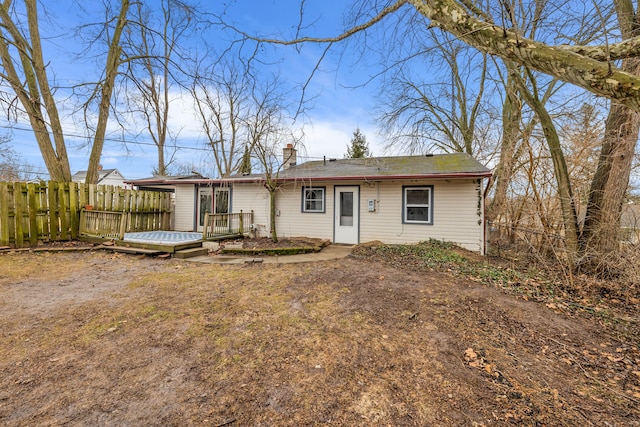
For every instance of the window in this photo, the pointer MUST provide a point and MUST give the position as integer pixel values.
(417, 205)
(313, 199)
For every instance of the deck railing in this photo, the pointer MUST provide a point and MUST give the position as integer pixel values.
(230, 224)
(113, 224)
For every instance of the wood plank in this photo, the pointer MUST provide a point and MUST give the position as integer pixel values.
(43, 213)
(18, 212)
(33, 214)
(108, 198)
(129, 250)
(65, 248)
(4, 214)
(54, 224)
(83, 195)
(117, 203)
(100, 200)
(63, 188)
(74, 210)
(159, 247)
(91, 195)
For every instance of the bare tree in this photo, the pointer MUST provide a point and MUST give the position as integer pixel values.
(9, 161)
(610, 182)
(104, 90)
(222, 101)
(25, 70)
(443, 112)
(155, 59)
(590, 67)
(269, 138)
(236, 111)
(269, 131)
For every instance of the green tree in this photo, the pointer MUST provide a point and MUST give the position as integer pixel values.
(245, 165)
(359, 147)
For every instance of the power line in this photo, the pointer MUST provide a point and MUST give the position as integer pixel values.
(205, 148)
(119, 140)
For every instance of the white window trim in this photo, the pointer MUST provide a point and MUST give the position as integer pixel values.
(405, 205)
(323, 200)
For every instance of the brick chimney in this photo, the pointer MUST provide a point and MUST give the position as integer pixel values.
(288, 156)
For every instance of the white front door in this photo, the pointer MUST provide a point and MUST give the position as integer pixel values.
(346, 216)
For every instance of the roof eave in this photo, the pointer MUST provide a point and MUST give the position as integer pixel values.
(452, 175)
(261, 179)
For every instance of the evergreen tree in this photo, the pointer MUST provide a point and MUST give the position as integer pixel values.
(359, 147)
(245, 165)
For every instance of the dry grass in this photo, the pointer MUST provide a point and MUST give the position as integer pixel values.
(350, 342)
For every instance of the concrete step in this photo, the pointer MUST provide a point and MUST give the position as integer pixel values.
(191, 253)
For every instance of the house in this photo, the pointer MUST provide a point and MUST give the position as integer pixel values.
(404, 199)
(105, 177)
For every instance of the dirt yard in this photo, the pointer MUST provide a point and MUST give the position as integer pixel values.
(102, 339)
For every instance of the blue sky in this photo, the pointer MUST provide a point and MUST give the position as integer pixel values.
(341, 105)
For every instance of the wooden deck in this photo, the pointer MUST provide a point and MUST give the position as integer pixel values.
(119, 228)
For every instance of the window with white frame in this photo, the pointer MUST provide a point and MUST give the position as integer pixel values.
(313, 199)
(417, 205)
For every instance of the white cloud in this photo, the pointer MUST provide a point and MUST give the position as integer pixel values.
(331, 138)
(109, 161)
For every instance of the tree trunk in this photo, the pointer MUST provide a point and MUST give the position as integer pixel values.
(272, 212)
(113, 62)
(600, 233)
(511, 120)
(34, 92)
(567, 205)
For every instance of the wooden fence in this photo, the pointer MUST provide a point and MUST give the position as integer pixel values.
(50, 211)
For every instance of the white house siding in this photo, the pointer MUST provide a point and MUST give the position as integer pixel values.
(252, 197)
(290, 221)
(114, 178)
(293, 222)
(458, 212)
(184, 207)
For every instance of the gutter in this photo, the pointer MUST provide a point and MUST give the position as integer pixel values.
(203, 181)
(261, 179)
(454, 175)
(484, 214)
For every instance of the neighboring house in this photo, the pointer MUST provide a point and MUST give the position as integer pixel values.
(105, 177)
(404, 199)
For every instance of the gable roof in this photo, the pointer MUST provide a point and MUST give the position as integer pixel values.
(81, 176)
(170, 179)
(457, 165)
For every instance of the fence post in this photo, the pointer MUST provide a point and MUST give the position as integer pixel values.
(4, 214)
(123, 225)
(82, 226)
(74, 205)
(241, 223)
(62, 211)
(18, 213)
(206, 226)
(33, 219)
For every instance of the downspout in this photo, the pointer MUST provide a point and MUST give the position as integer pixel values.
(484, 215)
